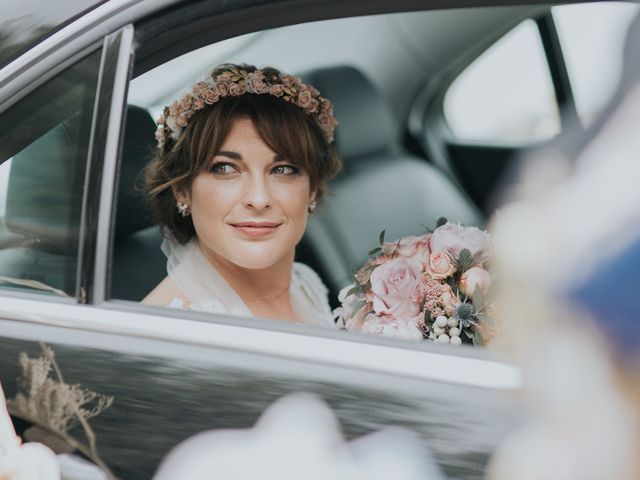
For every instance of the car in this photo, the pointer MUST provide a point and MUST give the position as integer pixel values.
(435, 102)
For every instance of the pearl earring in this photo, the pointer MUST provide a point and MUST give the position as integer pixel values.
(312, 207)
(183, 209)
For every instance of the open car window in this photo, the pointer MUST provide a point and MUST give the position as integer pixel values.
(395, 179)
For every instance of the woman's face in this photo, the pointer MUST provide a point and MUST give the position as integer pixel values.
(250, 207)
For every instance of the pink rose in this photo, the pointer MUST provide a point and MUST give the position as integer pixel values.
(198, 88)
(411, 247)
(222, 87)
(199, 103)
(276, 90)
(174, 109)
(475, 280)
(237, 89)
(402, 328)
(257, 85)
(304, 98)
(440, 265)
(210, 96)
(396, 289)
(186, 102)
(453, 238)
(288, 80)
(449, 300)
(313, 106)
(181, 121)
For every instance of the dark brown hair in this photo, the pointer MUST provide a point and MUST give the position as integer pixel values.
(284, 127)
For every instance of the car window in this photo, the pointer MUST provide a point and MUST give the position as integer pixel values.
(592, 38)
(506, 94)
(358, 79)
(42, 174)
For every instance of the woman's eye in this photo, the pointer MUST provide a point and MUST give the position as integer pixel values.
(285, 170)
(222, 168)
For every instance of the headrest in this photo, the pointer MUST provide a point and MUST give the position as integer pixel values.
(138, 148)
(46, 181)
(365, 121)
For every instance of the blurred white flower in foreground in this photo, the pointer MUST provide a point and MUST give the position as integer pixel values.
(553, 246)
(299, 437)
(30, 461)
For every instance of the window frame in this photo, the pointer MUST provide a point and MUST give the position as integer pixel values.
(102, 314)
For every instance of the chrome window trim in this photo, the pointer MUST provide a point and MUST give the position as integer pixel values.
(97, 211)
(331, 350)
(111, 150)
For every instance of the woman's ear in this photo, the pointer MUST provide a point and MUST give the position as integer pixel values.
(180, 195)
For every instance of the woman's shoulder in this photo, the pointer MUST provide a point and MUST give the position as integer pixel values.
(167, 294)
(310, 286)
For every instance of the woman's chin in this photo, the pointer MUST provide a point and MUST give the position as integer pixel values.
(256, 259)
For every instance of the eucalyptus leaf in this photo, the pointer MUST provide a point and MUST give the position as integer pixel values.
(382, 237)
(353, 290)
(358, 307)
(374, 251)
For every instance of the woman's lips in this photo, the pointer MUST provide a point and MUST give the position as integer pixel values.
(256, 229)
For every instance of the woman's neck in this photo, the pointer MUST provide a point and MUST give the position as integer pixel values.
(264, 291)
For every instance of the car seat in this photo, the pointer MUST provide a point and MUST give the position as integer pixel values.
(138, 263)
(382, 187)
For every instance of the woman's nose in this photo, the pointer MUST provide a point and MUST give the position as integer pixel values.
(257, 193)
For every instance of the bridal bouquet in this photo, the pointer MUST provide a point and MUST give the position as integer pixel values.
(434, 287)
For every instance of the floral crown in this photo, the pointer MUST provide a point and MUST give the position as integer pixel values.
(233, 81)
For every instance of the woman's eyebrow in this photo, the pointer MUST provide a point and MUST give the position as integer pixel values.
(229, 154)
(236, 156)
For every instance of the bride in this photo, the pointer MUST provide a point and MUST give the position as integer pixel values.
(242, 160)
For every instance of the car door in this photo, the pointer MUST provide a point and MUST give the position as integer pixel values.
(170, 373)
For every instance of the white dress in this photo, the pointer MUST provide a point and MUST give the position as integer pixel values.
(207, 291)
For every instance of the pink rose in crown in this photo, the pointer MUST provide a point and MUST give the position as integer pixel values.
(237, 89)
(453, 238)
(402, 328)
(412, 247)
(396, 289)
(440, 265)
(474, 280)
(304, 98)
(199, 88)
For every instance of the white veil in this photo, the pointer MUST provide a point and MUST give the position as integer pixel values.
(194, 275)
(207, 291)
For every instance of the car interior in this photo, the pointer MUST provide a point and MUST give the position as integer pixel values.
(387, 76)
(384, 185)
(416, 95)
